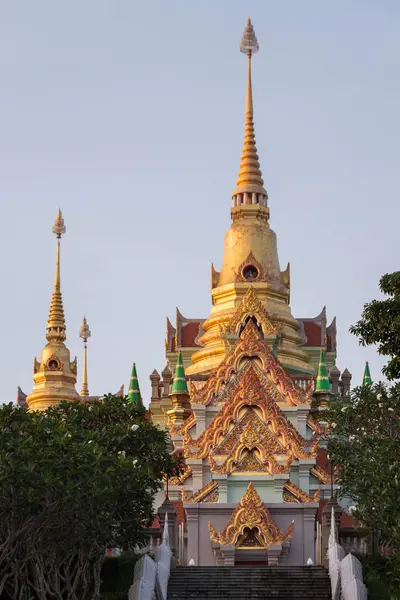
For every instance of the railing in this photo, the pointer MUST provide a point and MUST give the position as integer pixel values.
(357, 544)
(345, 572)
(151, 576)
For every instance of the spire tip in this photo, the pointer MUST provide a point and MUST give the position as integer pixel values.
(249, 44)
(59, 226)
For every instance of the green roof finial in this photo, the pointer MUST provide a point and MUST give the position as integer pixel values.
(322, 384)
(367, 375)
(134, 391)
(179, 385)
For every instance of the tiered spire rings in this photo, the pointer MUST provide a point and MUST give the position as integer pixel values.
(56, 329)
(250, 184)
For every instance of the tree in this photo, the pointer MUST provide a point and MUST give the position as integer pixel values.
(74, 481)
(365, 443)
(380, 324)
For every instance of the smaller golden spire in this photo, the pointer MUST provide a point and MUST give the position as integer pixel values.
(85, 335)
(250, 181)
(56, 329)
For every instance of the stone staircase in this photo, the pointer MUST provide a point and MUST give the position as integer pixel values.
(245, 583)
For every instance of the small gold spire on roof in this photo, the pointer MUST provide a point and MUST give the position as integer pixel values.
(56, 329)
(85, 334)
(250, 178)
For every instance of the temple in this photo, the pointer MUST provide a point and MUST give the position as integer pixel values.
(243, 393)
(247, 410)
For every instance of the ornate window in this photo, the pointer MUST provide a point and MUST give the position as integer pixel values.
(250, 273)
(54, 364)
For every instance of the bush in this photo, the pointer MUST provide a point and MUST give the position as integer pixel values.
(117, 576)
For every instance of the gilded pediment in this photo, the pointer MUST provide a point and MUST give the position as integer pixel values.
(250, 405)
(251, 306)
(251, 346)
(250, 520)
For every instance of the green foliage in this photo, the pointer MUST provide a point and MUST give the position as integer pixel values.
(74, 481)
(380, 324)
(378, 577)
(365, 443)
(117, 576)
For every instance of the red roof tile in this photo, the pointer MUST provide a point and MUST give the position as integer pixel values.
(189, 333)
(322, 459)
(313, 333)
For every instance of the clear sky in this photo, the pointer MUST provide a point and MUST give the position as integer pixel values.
(129, 116)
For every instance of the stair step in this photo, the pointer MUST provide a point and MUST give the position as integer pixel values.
(249, 583)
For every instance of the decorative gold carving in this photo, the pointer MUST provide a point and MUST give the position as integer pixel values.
(250, 436)
(250, 345)
(292, 493)
(316, 427)
(250, 513)
(273, 426)
(322, 475)
(54, 364)
(179, 479)
(253, 262)
(288, 497)
(184, 428)
(250, 463)
(251, 306)
(208, 493)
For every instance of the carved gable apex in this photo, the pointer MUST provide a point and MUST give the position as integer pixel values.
(249, 307)
(250, 514)
(249, 346)
(250, 463)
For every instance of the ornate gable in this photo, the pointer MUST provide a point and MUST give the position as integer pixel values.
(249, 307)
(263, 426)
(250, 519)
(250, 345)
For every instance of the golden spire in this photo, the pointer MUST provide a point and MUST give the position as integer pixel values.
(54, 375)
(56, 329)
(250, 182)
(85, 335)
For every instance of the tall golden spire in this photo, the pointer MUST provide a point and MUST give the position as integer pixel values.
(56, 329)
(250, 266)
(85, 335)
(54, 375)
(250, 184)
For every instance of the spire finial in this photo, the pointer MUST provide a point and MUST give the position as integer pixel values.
(85, 334)
(179, 385)
(367, 380)
(322, 384)
(56, 329)
(250, 184)
(134, 390)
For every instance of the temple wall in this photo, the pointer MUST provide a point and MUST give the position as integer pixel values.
(200, 546)
(266, 489)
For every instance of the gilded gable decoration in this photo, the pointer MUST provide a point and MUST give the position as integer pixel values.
(208, 493)
(251, 306)
(292, 493)
(272, 430)
(250, 514)
(250, 345)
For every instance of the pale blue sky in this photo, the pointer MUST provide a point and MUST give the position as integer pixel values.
(129, 116)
